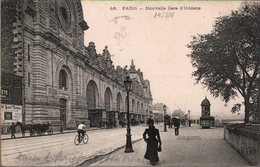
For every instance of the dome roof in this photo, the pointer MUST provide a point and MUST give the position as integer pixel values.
(205, 102)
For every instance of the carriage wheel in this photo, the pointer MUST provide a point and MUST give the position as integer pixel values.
(32, 133)
(50, 131)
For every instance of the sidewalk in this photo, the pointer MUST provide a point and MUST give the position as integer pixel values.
(193, 147)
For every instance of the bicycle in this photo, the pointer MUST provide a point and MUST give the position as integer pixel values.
(83, 139)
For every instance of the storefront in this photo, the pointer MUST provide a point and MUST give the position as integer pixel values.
(11, 101)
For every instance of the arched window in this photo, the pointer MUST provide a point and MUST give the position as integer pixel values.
(118, 101)
(133, 105)
(138, 107)
(91, 95)
(63, 79)
(108, 96)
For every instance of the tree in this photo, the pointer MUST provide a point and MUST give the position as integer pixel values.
(226, 60)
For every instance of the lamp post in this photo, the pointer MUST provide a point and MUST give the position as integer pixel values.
(258, 96)
(164, 109)
(128, 147)
(189, 117)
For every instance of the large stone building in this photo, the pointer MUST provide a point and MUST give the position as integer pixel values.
(65, 82)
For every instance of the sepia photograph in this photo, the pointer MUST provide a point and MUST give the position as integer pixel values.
(130, 83)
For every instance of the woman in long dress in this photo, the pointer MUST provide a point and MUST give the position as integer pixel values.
(152, 142)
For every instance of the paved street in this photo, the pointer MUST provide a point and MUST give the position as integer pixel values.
(193, 147)
(60, 150)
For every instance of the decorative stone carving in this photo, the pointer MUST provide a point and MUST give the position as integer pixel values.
(65, 15)
(30, 9)
(92, 49)
(53, 25)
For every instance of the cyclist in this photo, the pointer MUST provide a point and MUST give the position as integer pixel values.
(81, 130)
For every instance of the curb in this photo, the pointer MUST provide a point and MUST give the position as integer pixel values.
(97, 158)
(58, 133)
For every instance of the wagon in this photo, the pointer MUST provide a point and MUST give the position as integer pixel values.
(41, 129)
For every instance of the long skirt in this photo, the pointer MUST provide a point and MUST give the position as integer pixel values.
(152, 151)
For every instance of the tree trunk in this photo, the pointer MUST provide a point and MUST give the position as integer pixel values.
(247, 110)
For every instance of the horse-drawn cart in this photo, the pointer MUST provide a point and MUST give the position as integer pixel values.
(41, 129)
(36, 129)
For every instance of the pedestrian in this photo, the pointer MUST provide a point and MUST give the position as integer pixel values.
(219, 121)
(12, 128)
(176, 126)
(81, 130)
(152, 142)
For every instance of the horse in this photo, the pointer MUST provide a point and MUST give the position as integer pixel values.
(25, 127)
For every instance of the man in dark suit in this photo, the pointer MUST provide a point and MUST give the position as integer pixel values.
(176, 126)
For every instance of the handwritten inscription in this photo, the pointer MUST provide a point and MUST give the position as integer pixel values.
(60, 157)
(121, 34)
(164, 15)
(115, 20)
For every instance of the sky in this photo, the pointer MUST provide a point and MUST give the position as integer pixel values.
(156, 40)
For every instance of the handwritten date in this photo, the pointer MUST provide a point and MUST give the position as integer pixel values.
(164, 15)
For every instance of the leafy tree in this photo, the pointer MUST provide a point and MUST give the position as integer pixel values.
(227, 59)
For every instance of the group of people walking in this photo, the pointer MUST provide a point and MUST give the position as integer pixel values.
(152, 137)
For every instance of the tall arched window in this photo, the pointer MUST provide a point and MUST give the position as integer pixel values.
(91, 95)
(126, 104)
(63, 79)
(118, 101)
(133, 105)
(138, 107)
(108, 96)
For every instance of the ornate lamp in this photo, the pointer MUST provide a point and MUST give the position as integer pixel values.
(189, 118)
(164, 109)
(128, 147)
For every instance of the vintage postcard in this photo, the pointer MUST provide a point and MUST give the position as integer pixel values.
(129, 83)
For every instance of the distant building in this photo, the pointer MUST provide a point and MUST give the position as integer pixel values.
(158, 112)
(179, 113)
(65, 82)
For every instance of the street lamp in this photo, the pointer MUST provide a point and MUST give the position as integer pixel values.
(258, 97)
(189, 118)
(164, 109)
(128, 147)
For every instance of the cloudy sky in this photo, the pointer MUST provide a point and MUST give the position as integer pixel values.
(156, 40)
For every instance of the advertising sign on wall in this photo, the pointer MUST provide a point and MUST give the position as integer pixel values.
(10, 113)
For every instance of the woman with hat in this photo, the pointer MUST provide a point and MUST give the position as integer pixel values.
(152, 141)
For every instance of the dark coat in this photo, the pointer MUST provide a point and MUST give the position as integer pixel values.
(152, 143)
(12, 129)
(176, 123)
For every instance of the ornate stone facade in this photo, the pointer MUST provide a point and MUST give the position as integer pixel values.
(63, 79)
